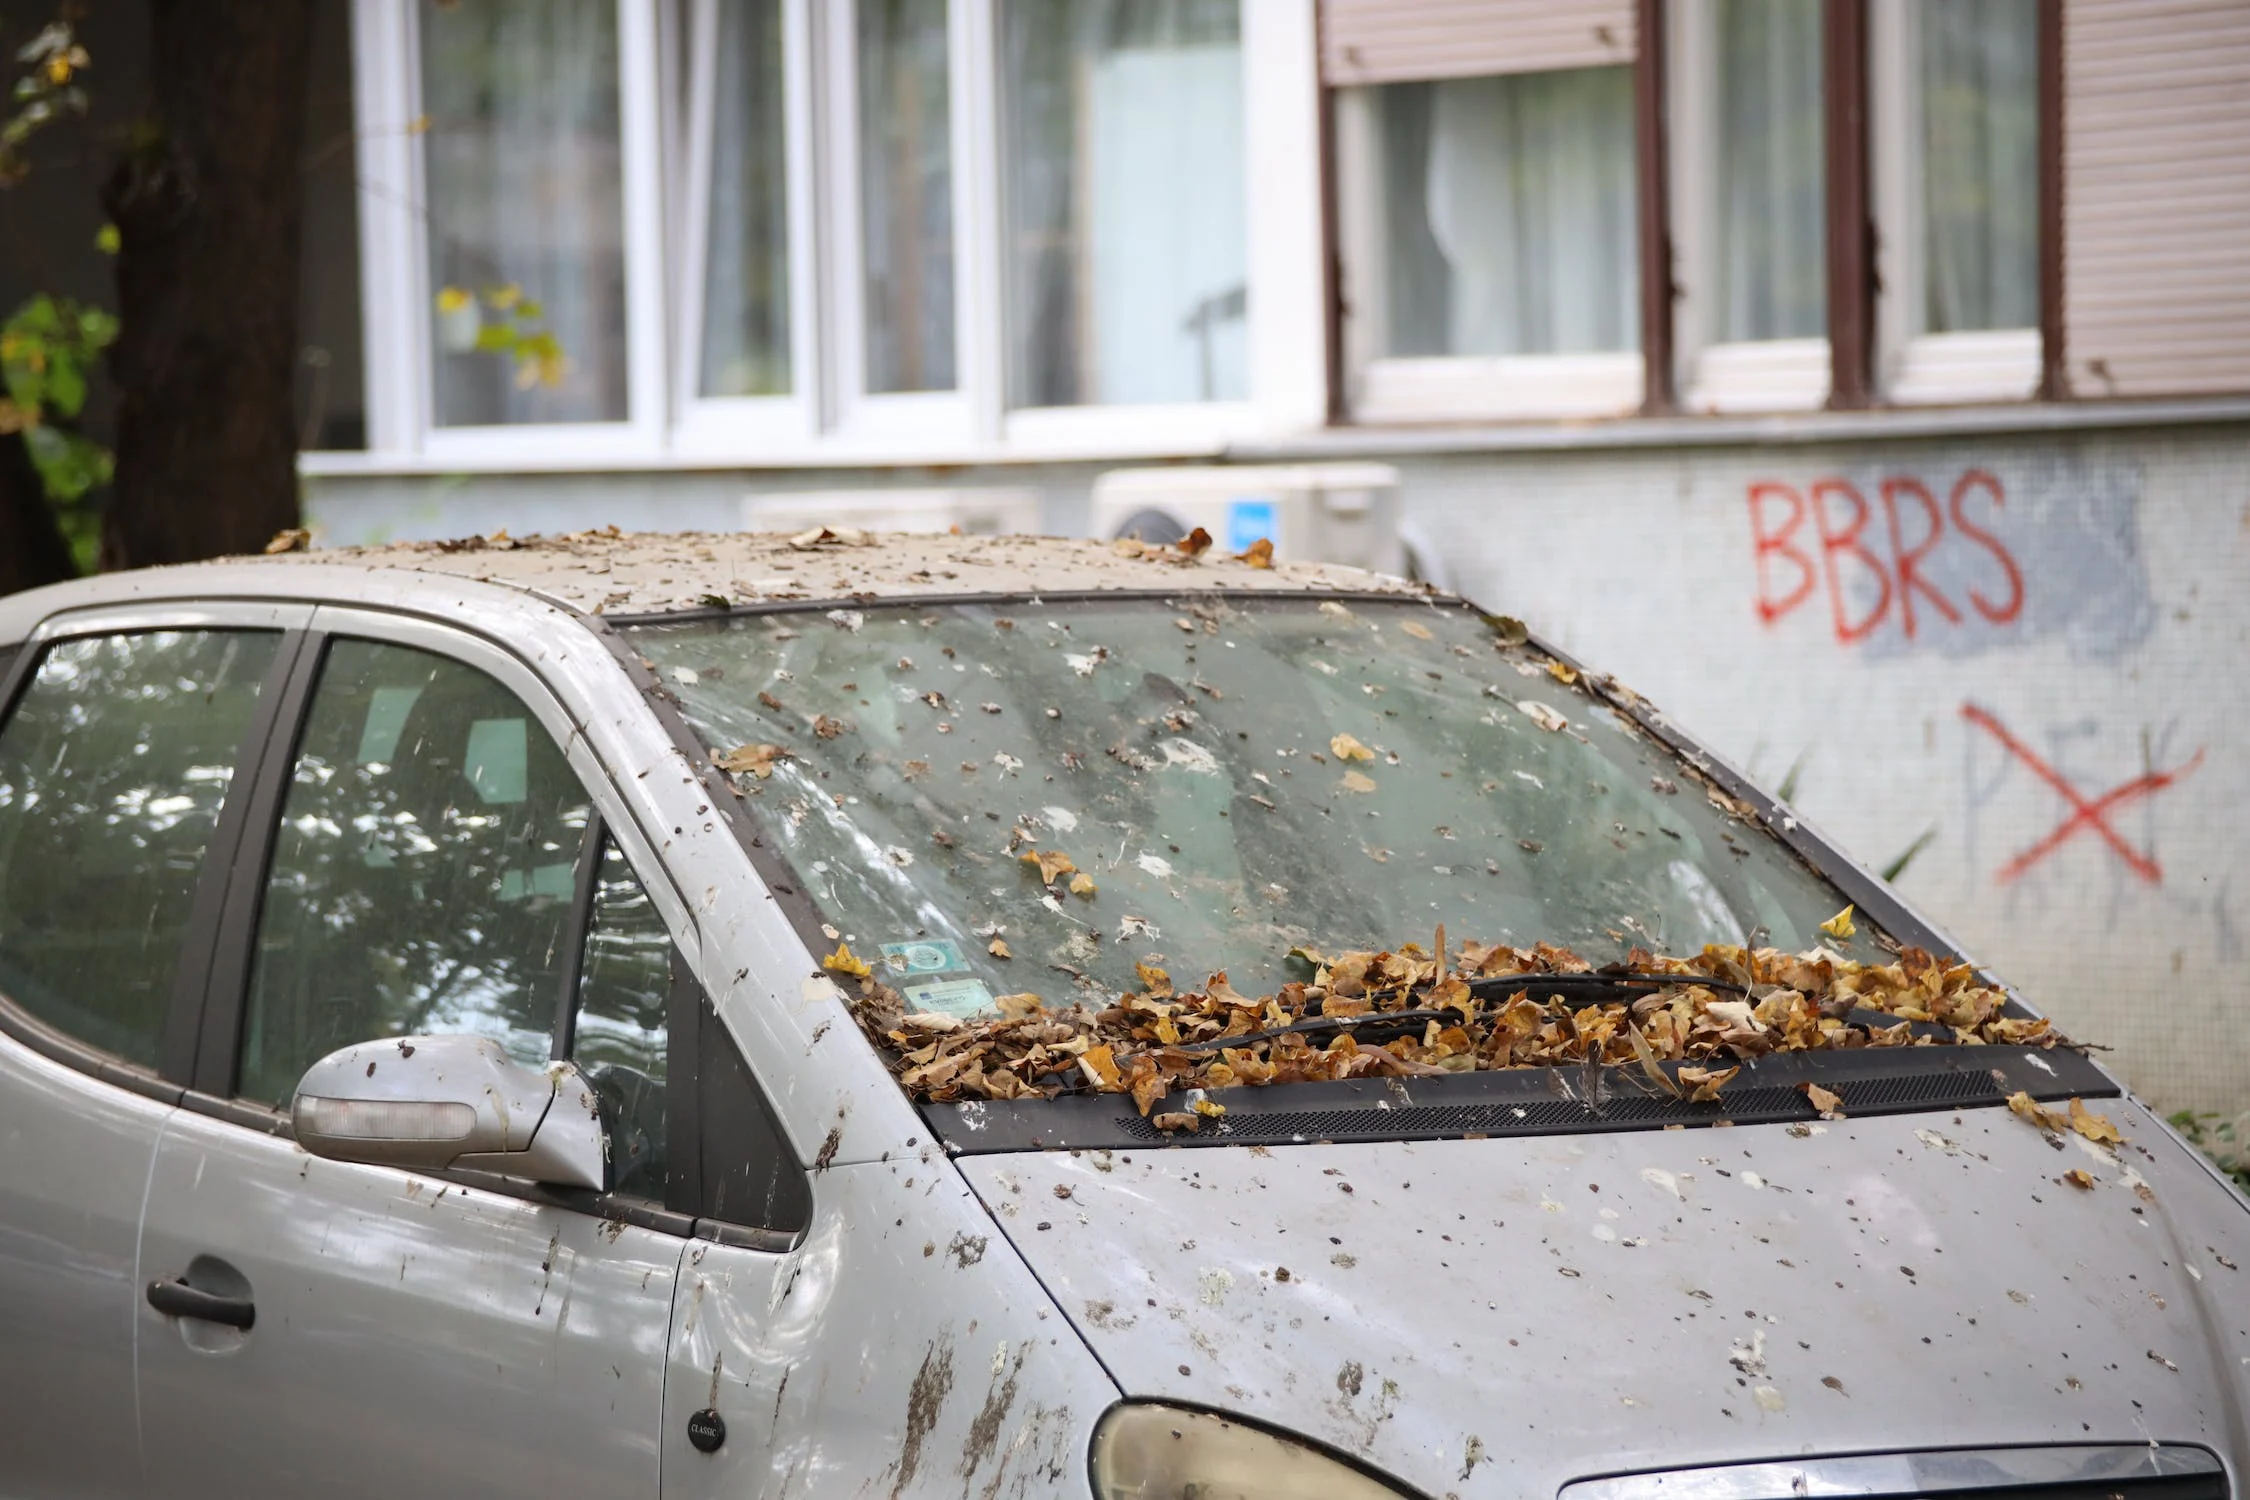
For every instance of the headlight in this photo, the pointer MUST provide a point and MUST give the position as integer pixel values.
(1171, 1453)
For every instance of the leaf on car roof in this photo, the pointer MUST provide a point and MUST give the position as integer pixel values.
(1417, 629)
(844, 961)
(2029, 1108)
(1344, 747)
(1082, 884)
(1840, 925)
(2092, 1126)
(1195, 543)
(1259, 554)
(1357, 781)
(1540, 714)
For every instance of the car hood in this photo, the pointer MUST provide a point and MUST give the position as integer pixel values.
(1504, 1316)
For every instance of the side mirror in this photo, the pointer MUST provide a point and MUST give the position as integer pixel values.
(452, 1101)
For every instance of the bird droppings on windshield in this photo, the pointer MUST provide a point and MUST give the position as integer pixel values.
(1686, 1023)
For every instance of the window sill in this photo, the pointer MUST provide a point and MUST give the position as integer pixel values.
(1952, 369)
(1774, 375)
(1498, 389)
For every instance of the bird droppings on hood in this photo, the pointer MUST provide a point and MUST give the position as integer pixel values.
(933, 1382)
(612, 572)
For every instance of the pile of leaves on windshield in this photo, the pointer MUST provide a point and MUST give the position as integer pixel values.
(1414, 1012)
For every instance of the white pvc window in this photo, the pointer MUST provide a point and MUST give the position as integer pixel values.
(1956, 147)
(654, 231)
(1749, 197)
(1491, 245)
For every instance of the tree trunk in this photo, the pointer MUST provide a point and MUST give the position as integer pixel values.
(32, 550)
(207, 202)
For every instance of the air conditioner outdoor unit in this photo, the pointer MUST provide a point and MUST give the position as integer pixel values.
(977, 512)
(1339, 513)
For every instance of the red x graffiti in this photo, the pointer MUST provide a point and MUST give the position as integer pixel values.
(2084, 815)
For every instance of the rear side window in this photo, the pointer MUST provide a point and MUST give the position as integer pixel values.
(423, 873)
(113, 770)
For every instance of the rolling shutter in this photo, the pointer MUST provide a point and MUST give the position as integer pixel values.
(1392, 41)
(2156, 196)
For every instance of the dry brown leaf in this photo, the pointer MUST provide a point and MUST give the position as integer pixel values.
(2092, 1126)
(295, 539)
(1016, 1007)
(1344, 747)
(2078, 1178)
(1704, 1083)
(1355, 781)
(828, 728)
(1195, 543)
(998, 948)
(2046, 1119)
(1561, 673)
(1259, 554)
(1100, 1067)
(1082, 884)
(1051, 864)
(1417, 629)
(756, 759)
(1179, 1120)
(1824, 1100)
(844, 961)
(1509, 631)
(1840, 925)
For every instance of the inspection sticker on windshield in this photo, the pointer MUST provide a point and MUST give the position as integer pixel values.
(924, 956)
(965, 998)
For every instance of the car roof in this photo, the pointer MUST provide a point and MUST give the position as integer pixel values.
(611, 572)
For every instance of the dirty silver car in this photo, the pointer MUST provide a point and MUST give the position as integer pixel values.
(840, 1015)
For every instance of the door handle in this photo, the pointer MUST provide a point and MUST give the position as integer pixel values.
(176, 1299)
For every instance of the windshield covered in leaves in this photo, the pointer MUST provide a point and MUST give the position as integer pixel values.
(988, 801)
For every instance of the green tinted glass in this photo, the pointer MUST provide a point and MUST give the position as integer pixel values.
(112, 773)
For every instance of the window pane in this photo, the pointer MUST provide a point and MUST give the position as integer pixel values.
(1507, 209)
(526, 218)
(1980, 164)
(906, 194)
(112, 773)
(620, 1042)
(1122, 146)
(1772, 227)
(746, 276)
(331, 394)
(422, 877)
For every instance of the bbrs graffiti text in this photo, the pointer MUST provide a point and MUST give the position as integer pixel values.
(1902, 556)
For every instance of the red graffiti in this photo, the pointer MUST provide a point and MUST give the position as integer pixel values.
(1852, 551)
(2088, 817)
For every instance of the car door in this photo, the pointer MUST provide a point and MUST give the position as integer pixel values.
(119, 804)
(424, 859)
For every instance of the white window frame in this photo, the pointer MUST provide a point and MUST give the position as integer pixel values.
(1768, 375)
(1450, 388)
(666, 58)
(1915, 368)
(395, 242)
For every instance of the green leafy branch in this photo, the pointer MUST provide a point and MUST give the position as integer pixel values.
(48, 90)
(48, 348)
(502, 320)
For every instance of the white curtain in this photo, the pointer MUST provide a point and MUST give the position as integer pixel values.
(1771, 215)
(746, 270)
(1980, 163)
(523, 171)
(1530, 202)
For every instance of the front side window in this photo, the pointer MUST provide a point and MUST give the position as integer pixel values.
(113, 770)
(423, 873)
(1770, 212)
(619, 1040)
(1502, 214)
(1122, 158)
(1978, 81)
(523, 167)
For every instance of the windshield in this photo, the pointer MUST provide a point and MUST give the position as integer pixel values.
(986, 800)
